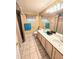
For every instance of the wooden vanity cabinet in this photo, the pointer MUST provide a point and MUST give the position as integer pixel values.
(56, 54)
(43, 41)
(39, 36)
(48, 48)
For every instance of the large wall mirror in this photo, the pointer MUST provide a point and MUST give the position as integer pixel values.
(60, 23)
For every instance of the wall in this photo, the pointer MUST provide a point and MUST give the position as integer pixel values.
(23, 18)
(18, 41)
(34, 25)
(40, 23)
(18, 55)
(60, 25)
(53, 24)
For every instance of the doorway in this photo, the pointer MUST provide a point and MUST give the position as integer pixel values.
(20, 24)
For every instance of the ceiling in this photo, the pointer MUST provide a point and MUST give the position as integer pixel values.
(33, 6)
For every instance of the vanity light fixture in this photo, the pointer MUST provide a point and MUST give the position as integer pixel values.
(55, 8)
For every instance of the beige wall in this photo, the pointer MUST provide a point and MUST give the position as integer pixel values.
(60, 25)
(23, 19)
(40, 23)
(53, 24)
(18, 41)
(34, 25)
(18, 55)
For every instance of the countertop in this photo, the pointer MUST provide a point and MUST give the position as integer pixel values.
(55, 39)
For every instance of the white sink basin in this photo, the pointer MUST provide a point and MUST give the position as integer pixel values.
(58, 42)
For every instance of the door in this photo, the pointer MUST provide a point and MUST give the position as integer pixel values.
(20, 24)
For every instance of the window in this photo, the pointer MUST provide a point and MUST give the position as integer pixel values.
(46, 23)
(50, 10)
(30, 19)
(44, 20)
(55, 8)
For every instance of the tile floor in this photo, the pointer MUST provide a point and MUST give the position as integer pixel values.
(18, 56)
(32, 49)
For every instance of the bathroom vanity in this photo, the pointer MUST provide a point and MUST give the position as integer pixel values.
(53, 44)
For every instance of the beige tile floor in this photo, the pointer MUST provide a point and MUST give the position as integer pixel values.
(32, 49)
(18, 56)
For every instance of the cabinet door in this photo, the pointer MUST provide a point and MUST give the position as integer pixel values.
(43, 41)
(48, 48)
(39, 36)
(53, 53)
(58, 55)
